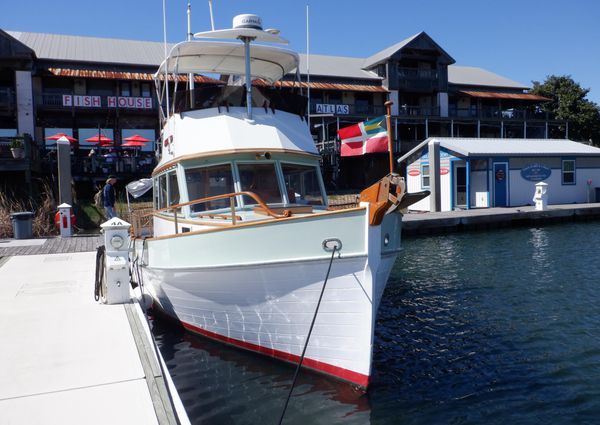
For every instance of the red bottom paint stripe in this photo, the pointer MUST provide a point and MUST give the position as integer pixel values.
(338, 372)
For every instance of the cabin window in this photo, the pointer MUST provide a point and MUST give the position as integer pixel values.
(425, 176)
(568, 171)
(156, 194)
(302, 184)
(162, 191)
(173, 189)
(260, 179)
(209, 181)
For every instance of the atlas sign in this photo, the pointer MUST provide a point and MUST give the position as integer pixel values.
(326, 108)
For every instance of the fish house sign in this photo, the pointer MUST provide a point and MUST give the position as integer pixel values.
(535, 172)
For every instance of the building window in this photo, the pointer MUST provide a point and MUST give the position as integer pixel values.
(145, 88)
(425, 176)
(125, 89)
(568, 171)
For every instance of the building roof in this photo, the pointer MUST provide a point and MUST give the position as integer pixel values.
(92, 49)
(502, 95)
(150, 53)
(337, 66)
(385, 54)
(473, 76)
(473, 147)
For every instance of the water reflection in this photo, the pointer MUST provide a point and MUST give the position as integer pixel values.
(478, 328)
(220, 384)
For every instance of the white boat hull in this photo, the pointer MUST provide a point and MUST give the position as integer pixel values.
(267, 306)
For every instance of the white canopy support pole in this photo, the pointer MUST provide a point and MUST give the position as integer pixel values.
(246, 41)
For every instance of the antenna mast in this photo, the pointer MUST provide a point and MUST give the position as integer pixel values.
(166, 55)
(189, 38)
(307, 68)
(212, 21)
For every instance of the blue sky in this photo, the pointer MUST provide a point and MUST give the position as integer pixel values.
(522, 40)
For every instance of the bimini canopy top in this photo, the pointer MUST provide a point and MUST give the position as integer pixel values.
(227, 57)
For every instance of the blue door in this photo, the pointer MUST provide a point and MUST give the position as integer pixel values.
(500, 184)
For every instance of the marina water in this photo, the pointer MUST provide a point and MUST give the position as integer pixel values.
(491, 327)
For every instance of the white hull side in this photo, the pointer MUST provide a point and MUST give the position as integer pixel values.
(268, 307)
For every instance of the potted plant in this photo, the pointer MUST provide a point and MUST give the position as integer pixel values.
(16, 147)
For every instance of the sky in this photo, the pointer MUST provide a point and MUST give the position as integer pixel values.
(524, 40)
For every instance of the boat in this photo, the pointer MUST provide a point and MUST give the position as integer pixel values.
(242, 235)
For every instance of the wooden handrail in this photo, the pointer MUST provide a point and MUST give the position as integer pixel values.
(253, 195)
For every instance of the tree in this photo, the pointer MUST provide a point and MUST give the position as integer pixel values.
(569, 103)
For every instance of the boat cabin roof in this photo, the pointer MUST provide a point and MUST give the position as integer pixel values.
(227, 57)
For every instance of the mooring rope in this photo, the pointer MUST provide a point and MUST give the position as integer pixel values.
(287, 400)
(100, 253)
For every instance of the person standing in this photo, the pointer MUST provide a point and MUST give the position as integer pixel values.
(108, 194)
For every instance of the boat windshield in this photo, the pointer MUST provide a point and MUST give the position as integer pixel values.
(302, 184)
(260, 179)
(209, 181)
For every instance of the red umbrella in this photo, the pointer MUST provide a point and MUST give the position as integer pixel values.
(59, 135)
(133, 144)
(102, 139)
(136, 138)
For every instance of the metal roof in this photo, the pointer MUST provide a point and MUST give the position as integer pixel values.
(119, 75)
(509, 147)
(384, 55)
(337, 66)
(325, 86)
(151, 53)
(501, 95)
(473, 76)
(92, 49)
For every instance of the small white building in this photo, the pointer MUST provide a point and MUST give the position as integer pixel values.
(479, 172)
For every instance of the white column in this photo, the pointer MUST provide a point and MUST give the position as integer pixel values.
(24, 89)
(442, 99)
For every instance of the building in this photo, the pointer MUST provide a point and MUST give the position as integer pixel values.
(487, 172)
(84, 86)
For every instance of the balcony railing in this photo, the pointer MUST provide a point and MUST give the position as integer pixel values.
(418, 111)
(104, 165)
(493, 113)
(417, 74)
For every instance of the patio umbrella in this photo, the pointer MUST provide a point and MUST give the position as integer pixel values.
(136, 138)
(133, 144)
(101, 139)
(59, 135)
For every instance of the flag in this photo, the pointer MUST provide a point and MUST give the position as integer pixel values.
(364, 137)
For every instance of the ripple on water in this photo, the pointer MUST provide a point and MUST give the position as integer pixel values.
(474, 328)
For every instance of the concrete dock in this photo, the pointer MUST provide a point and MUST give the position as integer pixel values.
(488, 218)
(65, 358)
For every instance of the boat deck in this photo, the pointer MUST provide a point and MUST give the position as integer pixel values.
(487, 218)
(67, 359)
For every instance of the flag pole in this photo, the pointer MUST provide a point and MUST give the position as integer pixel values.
(388, 118)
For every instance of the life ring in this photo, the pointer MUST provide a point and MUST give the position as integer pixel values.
(57, 220)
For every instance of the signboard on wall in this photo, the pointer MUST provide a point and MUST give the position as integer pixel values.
(325, 108)
(111, 102)
(129, 102)
(535, 172)
(82, 101)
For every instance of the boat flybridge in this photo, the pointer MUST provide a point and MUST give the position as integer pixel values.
(242, 234)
